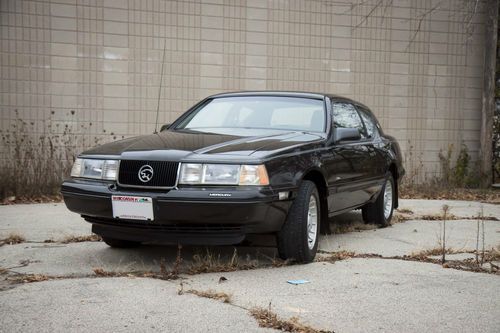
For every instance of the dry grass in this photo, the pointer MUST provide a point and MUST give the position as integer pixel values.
(483, 218)
(404, 211)
(269, 319)
(400, 218)
(164, 273)
(437, 251)
(210, 263)
(46, 150)
(336, 256)
(470, 265)
(101, 272)
(80, 239)
(438, 217)
(12, 239)
(492, 255)
(343, 228)
(212, 294)
(13, 200)
(438, 193)
(452, 217)
(30, 278)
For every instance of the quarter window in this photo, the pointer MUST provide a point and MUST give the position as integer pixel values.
(346, 116)
(371, 127)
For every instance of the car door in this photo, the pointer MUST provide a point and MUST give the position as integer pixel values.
(346, 162)
(376, 166)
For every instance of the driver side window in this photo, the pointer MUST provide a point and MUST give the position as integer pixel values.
(346, 116)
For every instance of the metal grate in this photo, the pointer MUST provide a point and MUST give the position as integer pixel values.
(164, 173)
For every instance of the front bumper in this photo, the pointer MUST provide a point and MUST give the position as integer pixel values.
(190, 215)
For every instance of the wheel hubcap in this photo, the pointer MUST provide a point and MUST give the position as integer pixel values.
(312, 222)
(388, 200)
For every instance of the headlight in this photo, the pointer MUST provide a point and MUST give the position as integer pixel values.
(96, 169)
(190, 173)
(223, 174)
(76, 171)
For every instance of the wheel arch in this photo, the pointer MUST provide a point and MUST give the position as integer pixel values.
(393, 169)
(317, 177)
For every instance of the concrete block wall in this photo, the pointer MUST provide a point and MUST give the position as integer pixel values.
(94, 65)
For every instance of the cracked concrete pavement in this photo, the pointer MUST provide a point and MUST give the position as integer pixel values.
(353, 295)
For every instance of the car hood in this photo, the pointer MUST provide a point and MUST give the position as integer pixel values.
(179, 145)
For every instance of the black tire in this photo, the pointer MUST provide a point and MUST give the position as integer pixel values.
(292, 239)
(120, 243)
(375, 212)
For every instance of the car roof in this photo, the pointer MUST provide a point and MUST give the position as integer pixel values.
(303, 94)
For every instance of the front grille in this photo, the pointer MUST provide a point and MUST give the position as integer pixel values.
(164, 173)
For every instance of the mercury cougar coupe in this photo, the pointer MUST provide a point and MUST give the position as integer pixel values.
(241, 163)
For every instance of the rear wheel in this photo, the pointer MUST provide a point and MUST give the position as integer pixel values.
(380, 211)
(119, 243)
(298, 238)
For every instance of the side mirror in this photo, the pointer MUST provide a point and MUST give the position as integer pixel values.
(346, 134)
(165, 127)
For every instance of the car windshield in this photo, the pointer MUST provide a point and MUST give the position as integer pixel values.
(258, 112)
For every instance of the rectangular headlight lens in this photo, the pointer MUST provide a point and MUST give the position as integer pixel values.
(95, 169)
(223, 174)
(110, 169)
(190, 173)
(92, 168)
(76, 171)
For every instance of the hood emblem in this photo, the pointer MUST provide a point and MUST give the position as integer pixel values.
(145, 173)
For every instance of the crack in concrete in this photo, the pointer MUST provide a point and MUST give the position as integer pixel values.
(463, 265)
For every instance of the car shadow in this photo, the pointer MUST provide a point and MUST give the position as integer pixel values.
(255, 251)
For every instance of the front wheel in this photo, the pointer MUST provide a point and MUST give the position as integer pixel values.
(380, 211)
(298, 238)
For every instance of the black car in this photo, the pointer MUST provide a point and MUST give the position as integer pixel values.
(237, 164)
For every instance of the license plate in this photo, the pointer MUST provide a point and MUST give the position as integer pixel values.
(132, 208)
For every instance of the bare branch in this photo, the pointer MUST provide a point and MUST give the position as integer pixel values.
(468, 26)
(365, 18)
(353, 6)
(421, 19)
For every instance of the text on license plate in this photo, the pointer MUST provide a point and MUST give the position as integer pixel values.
(132, 208)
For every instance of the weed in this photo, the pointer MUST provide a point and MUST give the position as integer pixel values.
(452, 217)
(12, 239)
(405, 211)
(492, 255)
(342, 228)
(437, 251)
(100, 272)
(30, 278)
(209, 262)
(78, 239)
(458, 178)
(460, 174)
(40, 155)
(173, 274)
(445, 208)
(336, 256)
(212, 294)
(164, 273)
(268, 319)
(399, 218)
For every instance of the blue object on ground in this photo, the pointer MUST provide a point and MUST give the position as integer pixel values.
(296, 282)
